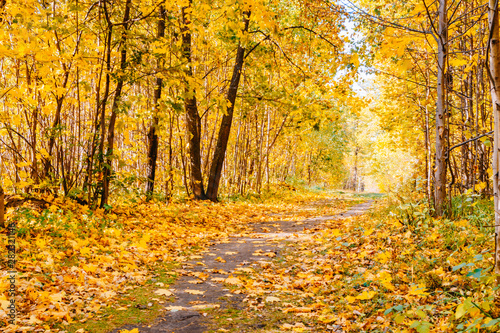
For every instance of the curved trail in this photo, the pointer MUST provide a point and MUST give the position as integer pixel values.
(205, 274)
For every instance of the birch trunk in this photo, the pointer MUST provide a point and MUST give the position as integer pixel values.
(495, 99)
(441, 111)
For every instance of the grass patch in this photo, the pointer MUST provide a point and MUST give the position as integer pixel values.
(138, 305)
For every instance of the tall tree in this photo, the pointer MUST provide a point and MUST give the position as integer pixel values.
(494, 46)
(153, 130)
(2, 207)
(227, 119)
(441, 110)
(193, 119)
(108, 167)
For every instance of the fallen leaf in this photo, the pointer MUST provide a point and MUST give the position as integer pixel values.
(366, 295)
(272, 299)
(205, 306)
(245, 269)
(217, 279)
(174, 308)
(194, 292)
(195, 281)
(298, 310)
(233, 280)
(195, 257)
(163, 292)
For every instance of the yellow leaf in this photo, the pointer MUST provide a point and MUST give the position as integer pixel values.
(34, 320)
(233, 280)
(350, 299)
(89, 268)
(163, 292)
(195, 281)
(418, 290)
(57, 297)
(84, 250)
(302, 309)
(194, 292)
(366, 295)
(174, 308)
(272, 299)
(44, 153)
(368, 232)
(245, 269)
(205, 306)
(463, 308)
(336, 232)
(217, 279)
(23, 164)
(327, 319)
(460, 312)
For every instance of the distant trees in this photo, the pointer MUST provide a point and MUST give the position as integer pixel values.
(432, 56)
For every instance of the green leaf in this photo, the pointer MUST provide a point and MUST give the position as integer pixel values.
(421, 314)
(457, 267)
(463, 308)
(424, 327)
(399, 319)
(461, 311)
(491, 323)
(476, 273)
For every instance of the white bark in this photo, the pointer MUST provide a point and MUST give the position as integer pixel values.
(441, 111)
(495, 99)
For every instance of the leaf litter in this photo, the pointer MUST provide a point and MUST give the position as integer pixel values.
(73, 262)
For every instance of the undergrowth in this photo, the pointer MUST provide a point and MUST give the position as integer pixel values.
(397, 269)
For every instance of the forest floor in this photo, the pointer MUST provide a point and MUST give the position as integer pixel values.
(82, 270)
(390, 268)
(296, 260)
(207, 290)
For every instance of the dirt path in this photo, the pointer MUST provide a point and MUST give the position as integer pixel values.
(201, 282)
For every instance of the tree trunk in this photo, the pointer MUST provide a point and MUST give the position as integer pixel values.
(227, 119)
(428, 155)
(2, 208)
(441, 111)
(495, 99)
(183, 160)
(193, 119)
(169, 182)
(152, 134)
(108, 168)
